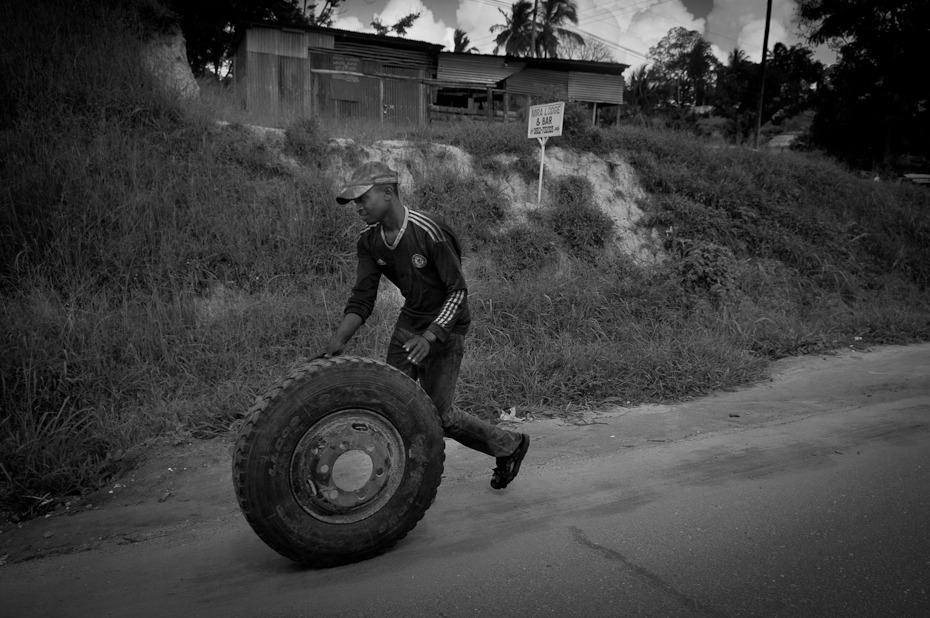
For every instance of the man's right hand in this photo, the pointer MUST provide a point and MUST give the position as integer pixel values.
(333, 348)
(337, 343)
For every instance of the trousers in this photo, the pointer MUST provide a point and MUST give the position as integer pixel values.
(438, 374)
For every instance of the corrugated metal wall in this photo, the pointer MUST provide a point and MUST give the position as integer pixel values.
(387, 56)
(320, 40)
(360, 96)
(277, 88)
(594, 88)
(345, 96)
(404, 100)
(539, 82)
(278, 42)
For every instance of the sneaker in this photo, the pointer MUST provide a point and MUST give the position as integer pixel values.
(508, 467)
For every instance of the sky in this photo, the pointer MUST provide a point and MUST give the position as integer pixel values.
(627, 27)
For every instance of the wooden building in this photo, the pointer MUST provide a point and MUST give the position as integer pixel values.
(287, 73)
(283, 74)
(496, 83)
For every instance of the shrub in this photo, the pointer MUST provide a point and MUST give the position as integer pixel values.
(472, 207)
(584, 228)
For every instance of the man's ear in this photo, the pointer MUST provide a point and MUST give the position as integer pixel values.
(389, 192)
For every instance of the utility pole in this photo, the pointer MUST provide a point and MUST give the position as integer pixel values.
(765, 49)
(533, 30)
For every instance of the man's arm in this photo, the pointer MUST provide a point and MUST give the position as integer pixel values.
(360, 303)
(344, 332)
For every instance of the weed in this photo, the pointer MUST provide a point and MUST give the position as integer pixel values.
(305, 140)
(584, 228)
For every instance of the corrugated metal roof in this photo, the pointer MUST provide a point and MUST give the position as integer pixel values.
(587, 66)
(476, 69)
(384, 41)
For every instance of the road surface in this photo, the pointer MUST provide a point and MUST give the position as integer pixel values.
(806, 495)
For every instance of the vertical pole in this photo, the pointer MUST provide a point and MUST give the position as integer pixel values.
(542, 160)
(765, 47)
(506, 107)
(490, 109)
(533, 33)
(594, 115)
(381, 98)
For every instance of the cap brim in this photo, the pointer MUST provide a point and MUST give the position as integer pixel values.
(352, 193)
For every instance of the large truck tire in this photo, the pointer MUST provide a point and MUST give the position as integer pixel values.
(338, 461)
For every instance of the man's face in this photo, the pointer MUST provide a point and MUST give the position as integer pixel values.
(373, 204)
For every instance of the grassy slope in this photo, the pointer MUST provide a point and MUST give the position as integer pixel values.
(158, 271)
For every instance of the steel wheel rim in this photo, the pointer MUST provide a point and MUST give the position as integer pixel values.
(347, 466)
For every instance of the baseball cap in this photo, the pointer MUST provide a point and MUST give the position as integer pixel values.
(364, 178)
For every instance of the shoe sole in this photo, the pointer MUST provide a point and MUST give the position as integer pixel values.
(519, 455)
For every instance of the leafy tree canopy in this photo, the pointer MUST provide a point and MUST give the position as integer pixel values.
(212, 27)
(547, 29)
(684, 60)
(461, 44)
(400, 27)
(875, 107)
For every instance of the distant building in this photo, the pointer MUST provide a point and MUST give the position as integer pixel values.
(284, 73)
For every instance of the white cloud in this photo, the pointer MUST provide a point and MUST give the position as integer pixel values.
(476, 19)
(630, 24)
(352, 23)
(426, 27)
(736, 23)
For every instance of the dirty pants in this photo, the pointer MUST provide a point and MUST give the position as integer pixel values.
(438, 374)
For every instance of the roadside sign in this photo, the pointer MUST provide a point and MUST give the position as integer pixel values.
(546, 120)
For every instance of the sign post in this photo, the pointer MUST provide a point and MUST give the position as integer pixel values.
(545, 121)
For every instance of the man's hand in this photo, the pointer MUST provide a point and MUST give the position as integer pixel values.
(333, 348)
(417, 347)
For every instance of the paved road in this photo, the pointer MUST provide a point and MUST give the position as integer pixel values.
(805, 496)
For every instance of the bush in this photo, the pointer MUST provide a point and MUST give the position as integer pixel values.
(472, 207)
(584, 228)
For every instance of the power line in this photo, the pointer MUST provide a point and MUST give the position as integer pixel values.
(599, 11)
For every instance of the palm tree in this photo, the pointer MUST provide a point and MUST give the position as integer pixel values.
(461, 44)
(550, 26)
(514, 36)
(643, 89)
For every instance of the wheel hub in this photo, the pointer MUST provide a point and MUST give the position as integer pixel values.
(347, 466)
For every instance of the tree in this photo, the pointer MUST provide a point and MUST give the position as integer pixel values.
(551, 32)
(461, 44)
(321, 14)
(736, 93)
(643, 89)
(792, 80)
(400, 27)
(591, 50)
(683, 59)
(515, 34)
(212, 28)
(874, 108)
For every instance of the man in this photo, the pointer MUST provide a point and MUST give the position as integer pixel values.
(421, 256)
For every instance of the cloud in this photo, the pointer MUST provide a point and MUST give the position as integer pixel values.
(736, 23)
(427, 27)
(476, 19)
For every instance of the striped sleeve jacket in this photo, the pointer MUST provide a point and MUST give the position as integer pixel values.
(425, 265)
